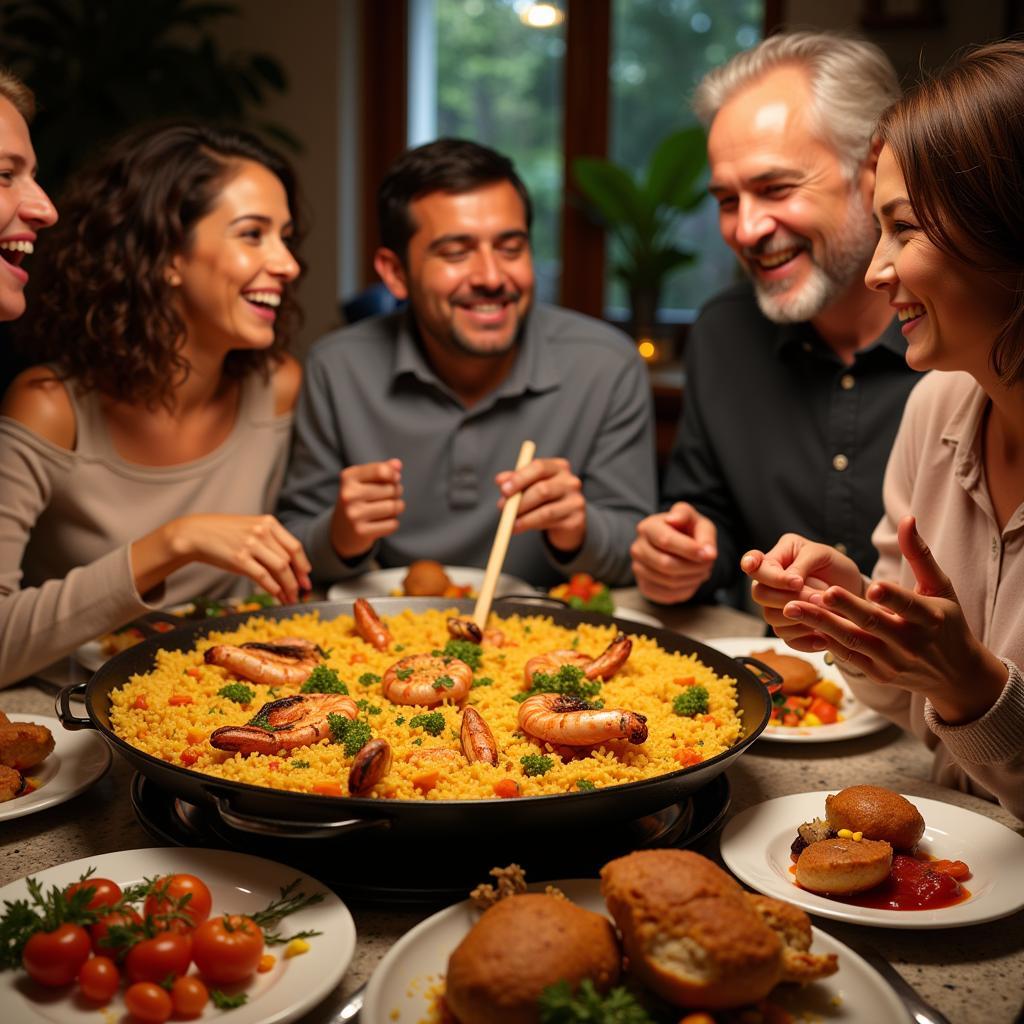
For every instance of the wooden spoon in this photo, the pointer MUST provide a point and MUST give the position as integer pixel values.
(500, 547)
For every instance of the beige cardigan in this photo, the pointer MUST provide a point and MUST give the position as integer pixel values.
(67, 520)
(936, 473)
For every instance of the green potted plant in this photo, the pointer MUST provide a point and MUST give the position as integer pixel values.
(642, 214)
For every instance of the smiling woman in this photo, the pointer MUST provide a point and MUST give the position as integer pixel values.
(140, 462)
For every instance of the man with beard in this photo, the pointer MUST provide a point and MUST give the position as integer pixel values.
(409, 425)
(795, 379)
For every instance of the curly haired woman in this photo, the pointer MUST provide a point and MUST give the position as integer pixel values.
(139, 462)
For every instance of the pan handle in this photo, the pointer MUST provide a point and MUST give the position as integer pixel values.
(62, 705)
(279, 828)
(766, 675)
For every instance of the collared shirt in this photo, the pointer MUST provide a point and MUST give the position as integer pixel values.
(937, 474)
(778, 435)
(577, 388)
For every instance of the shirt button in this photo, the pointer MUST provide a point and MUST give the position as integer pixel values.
(847, 381)
(840, 462)
(840, 547)
(995, 547)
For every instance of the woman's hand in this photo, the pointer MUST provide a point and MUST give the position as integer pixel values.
(255, 546)
(917, 640)
(793, 570)
(368, 506)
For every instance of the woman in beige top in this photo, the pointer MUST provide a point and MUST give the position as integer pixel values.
(936, 640)
(139, 464)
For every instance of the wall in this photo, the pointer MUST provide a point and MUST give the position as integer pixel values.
(304, 37)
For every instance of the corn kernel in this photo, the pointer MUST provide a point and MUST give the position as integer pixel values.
(845, 833)
(296, 948)
(858, 836)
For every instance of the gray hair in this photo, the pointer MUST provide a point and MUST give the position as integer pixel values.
(20, 96)
(851, 81)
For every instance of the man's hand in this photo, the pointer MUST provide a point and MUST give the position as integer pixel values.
(552, 501)
(368, 506)
(793, 570)
(674, 553)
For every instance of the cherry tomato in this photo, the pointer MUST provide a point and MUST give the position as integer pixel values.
(55, 958)
(102, 944)
(227, 949)
(172, 888)
(105, 892)
(148, 1002)
(157, 958)
(99, 979)
(189, 996)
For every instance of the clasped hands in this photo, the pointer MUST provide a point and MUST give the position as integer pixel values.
(917, 640)
(370, 504)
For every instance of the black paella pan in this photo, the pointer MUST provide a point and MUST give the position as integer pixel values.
(268, 811)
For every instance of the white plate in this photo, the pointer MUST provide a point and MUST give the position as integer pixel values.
(238, 883)
(78, 760)
(386, 582)
(398, 991)
(632, 615)
(755, 846)
(858, 720)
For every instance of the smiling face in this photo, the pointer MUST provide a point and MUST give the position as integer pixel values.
(468, 271)
(801, 229)
(231, 278)
(950, 312)
(24, 209)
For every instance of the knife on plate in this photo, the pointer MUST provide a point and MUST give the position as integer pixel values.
(920, 1010)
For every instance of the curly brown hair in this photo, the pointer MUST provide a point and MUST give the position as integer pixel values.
(957, 140)
(104, 313)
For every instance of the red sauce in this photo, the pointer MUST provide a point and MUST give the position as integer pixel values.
(913, 884)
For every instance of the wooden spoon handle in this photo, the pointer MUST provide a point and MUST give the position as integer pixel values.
(500, 546)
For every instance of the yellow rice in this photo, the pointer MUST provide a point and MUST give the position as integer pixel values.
(647, 683)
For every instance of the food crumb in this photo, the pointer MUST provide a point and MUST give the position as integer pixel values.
(511, 881)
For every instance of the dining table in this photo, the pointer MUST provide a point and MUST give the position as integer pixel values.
(973, 973)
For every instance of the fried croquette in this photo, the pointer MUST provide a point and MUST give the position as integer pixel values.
(878, 813)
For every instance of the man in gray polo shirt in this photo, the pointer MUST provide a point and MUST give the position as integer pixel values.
(408, 427)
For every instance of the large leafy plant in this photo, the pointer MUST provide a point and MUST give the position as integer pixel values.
(643, 213)
(99, 67)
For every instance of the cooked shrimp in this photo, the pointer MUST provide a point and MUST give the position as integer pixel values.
(426, 679)
(284, 724)
(284, 662)
(370, 765)
(24, 744)
(605, 665)
(467, 629)
(476, 738)
(369, 626)
(557, 718)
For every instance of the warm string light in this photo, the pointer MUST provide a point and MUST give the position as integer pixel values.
(540, 15)
(647, 348)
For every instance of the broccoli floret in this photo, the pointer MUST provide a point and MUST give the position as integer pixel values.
(464, 650)
(569, 679)
(692, 701)
(369, 678)
(354, 734)
(323, 680)
(432, 723)
(536, 764)
(238, 692)
(300, 764)
(585, 785)
(443, 682)
(482, 681)
(365, 705)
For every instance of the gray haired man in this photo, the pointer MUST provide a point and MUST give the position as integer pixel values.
(795, 378)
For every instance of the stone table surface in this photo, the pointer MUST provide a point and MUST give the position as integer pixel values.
(971, 974)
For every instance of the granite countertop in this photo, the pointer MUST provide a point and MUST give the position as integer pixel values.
(970, 973)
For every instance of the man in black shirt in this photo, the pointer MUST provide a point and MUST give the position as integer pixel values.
(795, 381)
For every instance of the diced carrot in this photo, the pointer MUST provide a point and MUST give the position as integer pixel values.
(506, 789)
(142, 733)
(178, 699)
(827, 712)
(266, 963)
(355, 659)
(328, 789)
(141, 704)
(194, 672)
(954, 868)
(684, 681)
(426, 781)
(790, 719)
(710, 718)
(195, 736)
(189, 755)
(273, 765)
(687, 756)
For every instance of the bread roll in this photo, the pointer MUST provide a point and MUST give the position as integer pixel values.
(878, 813)
(689, 930)
(425, 578)
(518, 948)
(798, 674)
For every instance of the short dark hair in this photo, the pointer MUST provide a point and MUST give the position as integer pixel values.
(445, 165)
(103, 309)
(958, 143)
